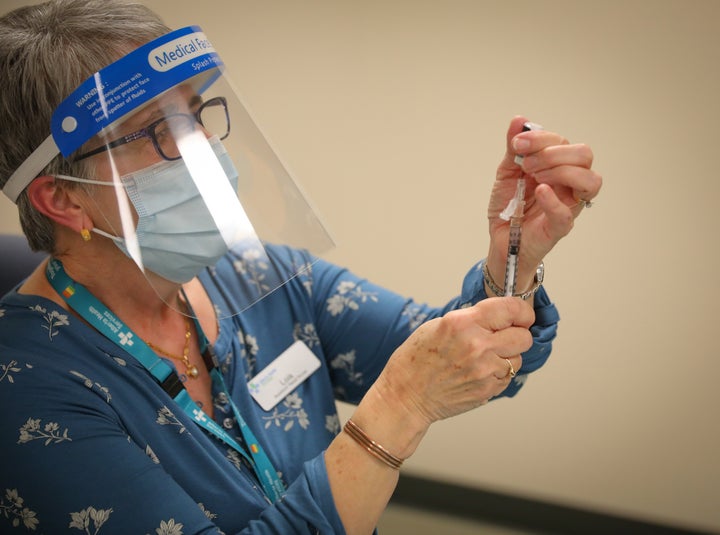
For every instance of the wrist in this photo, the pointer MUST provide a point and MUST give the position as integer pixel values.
(524, 292)
(385, 416)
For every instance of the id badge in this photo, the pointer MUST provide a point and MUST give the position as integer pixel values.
(283, 375)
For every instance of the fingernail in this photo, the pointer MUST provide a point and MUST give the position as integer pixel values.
(521, 144)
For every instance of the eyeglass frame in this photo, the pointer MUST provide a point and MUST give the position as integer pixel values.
(149, 131)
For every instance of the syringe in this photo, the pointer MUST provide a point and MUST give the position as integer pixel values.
(514, 212)
(518, 207)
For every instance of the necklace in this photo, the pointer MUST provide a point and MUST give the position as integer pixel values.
(190, 369)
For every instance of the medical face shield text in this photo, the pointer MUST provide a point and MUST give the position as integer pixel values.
(167, 109)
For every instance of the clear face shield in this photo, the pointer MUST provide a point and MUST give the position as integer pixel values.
(181, 178)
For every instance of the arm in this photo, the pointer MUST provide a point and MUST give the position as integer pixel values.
(447, 366)
(419, 386)
(560, 181)
(361, 324)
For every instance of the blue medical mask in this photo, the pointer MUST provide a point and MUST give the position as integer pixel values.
(176, 232)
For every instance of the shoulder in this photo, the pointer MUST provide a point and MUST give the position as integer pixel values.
(30, 321)
(46, 353)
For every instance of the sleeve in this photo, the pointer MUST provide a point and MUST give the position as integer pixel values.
(361, 324)
(308, 505)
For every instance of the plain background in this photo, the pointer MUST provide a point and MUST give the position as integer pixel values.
(392, 116)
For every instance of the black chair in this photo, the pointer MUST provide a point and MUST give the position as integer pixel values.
(18, 261)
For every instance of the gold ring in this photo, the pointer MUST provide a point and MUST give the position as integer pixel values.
(511, 370)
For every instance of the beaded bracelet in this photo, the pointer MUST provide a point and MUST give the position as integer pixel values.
(375, 449)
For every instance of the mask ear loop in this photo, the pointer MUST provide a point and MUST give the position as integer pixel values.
(107, 235)
(85, 233)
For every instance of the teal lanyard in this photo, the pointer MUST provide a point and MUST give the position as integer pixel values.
(101, 318)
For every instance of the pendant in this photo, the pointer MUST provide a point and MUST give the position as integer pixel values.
(192, 371)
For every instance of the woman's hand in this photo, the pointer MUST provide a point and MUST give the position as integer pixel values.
(448, 366)
(453, 364)
(559, 181)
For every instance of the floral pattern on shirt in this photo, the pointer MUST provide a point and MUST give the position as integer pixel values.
(53, 320)
(207, 513)
(332, 423)
(307, 334)
(91, 385)
(50, 432)
(169, 527)
(253, 265)
(304, 273)
(81, 520)
(12, 367)
(150, 453)
(346, 363)
(248, 353)
(12, 507)
(348, 296)
(415, 315)
(166, 417)
(286, 415)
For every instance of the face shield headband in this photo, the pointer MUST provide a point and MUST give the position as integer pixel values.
(166, 128)
(115, 91)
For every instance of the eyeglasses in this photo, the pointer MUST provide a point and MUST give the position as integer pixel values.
(212, 115)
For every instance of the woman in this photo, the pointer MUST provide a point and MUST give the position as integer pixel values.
(169, 371)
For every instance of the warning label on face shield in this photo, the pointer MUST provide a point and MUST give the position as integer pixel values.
(118, 97)
(131, 81)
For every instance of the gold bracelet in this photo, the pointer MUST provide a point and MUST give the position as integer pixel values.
(375, 449)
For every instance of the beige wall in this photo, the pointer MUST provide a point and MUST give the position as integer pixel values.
(392, 115)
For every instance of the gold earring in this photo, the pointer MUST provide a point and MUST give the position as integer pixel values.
(85, 233)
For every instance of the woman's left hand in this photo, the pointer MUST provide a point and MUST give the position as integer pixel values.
(560, 183)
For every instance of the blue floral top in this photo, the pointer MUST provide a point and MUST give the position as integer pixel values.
(90, 442)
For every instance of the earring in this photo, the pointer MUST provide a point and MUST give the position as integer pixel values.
(85, 233)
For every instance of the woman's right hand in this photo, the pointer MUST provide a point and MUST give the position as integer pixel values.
(456, 363)
(448, 366)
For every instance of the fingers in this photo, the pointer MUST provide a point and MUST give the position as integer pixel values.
(551, 159)
(550, 156)
(509, 341)
(496, 314)
(533, 141)
(452, 364)
(559, 215)
(508, 368)
(514, 129)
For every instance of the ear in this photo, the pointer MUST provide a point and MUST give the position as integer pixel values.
(58, 204)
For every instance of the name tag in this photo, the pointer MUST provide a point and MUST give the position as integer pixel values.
(283, 375)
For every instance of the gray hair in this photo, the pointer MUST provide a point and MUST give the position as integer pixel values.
(46, 52)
